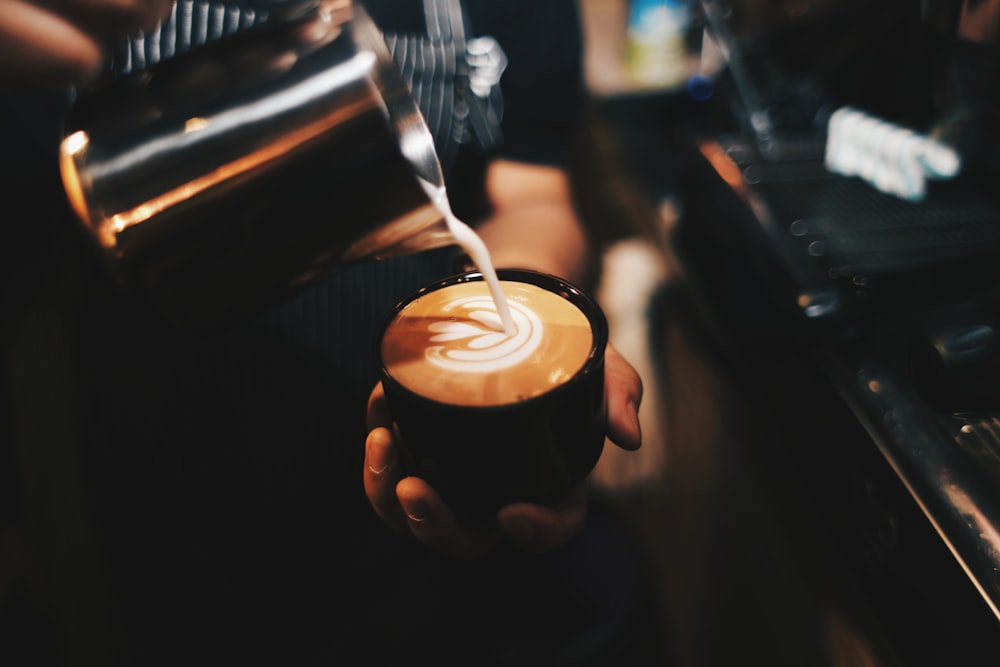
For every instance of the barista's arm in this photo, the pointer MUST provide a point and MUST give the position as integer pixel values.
(534, 223)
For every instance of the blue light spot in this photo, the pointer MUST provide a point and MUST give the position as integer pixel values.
(701, 87)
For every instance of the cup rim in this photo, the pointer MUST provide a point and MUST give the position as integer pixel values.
(575, 295)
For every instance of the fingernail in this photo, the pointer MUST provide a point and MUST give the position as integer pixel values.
(379, 455)
(415, 510)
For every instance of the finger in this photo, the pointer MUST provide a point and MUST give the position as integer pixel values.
(381, 474)
(41, 48)
(111, 17)
(378, 409)
(434, 524)
(535, 528)
(624, 394)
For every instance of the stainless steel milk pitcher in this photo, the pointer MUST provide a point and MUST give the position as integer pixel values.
(234, 173)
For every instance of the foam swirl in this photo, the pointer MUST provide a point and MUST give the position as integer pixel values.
(475, 341)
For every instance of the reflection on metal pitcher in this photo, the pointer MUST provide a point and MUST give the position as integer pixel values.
(228, 175)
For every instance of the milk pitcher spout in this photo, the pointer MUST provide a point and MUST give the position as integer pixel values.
(233, 174)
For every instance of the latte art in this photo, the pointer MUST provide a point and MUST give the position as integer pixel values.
(448, 344)
(471, 343)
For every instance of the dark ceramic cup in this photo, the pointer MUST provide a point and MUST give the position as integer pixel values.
(490, 418)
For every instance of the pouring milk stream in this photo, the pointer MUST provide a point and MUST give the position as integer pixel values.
(473, 245)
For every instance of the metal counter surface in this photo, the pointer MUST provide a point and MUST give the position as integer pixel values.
(958, 499)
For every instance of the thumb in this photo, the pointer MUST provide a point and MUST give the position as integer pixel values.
(624, 394)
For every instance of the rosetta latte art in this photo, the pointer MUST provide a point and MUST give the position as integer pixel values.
(474, 341)
(447, 345)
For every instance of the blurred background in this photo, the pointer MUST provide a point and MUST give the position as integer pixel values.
(818, 483)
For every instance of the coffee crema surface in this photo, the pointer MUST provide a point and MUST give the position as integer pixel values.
(448, 344)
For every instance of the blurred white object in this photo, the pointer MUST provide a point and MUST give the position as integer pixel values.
(632, 270)
(893, 159)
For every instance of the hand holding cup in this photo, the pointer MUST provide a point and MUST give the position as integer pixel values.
(460, 455)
